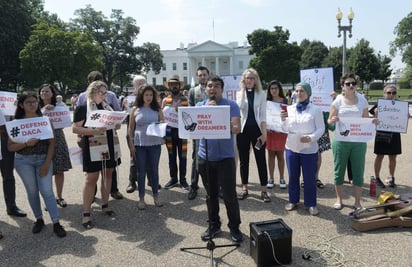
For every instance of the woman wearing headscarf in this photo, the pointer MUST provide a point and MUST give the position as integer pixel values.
(304, 123)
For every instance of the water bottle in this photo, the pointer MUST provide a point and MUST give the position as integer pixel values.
(372, 187)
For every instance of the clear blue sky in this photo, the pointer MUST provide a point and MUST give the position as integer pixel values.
(171, 22)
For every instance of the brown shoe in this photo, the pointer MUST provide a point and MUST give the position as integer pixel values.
(265, 197)
(116, 195)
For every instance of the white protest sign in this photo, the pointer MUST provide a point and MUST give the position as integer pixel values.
(22, 130)
(321, 82)
(2, 118)
(393, 115)
(7, 102)
(76, 155)
(171, 116)
(355, 130)
(59, 116)
(273, 121)
(105, 118)
(231, 86)
(210, 122)
(157, 129)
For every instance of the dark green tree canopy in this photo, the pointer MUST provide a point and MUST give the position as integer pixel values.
(15, 22)
(313, 54)
(363, 61)
(403, 41)
(54, 55)
(276, 57)
(116, 37)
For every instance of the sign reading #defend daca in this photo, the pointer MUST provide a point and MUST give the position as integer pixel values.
(22, 130)
(105, 118)
(209, 122)
(59, 116)
(7, 103)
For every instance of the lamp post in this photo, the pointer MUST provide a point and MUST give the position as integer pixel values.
(344, 29)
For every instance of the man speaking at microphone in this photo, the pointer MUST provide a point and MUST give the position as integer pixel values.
(220, 170)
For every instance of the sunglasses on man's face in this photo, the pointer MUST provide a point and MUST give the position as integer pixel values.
(350, 83)
(391, 93)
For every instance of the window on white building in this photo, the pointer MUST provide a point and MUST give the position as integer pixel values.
(154, 81)
(164, 66)
(184, 66)
(164, 79)
(174, 66)
(185, 79)
(241, 65)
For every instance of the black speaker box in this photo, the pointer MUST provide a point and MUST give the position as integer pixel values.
(270, 239)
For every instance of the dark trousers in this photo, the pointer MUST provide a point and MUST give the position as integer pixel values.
(220, 174)
(194, 176)
(249, 137)
(176, 147)
(7, 167)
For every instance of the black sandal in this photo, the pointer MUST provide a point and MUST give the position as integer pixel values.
(89, 224)
(61, 202)
(107, 210)
(319, 184)
(243, 194)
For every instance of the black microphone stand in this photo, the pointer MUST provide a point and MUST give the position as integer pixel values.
(210, 243)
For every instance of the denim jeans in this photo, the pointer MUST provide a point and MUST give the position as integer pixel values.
(28, 166)
(148, 157)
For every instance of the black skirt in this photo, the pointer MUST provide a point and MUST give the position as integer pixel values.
(388, 147)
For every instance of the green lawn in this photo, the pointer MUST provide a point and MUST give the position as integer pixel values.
(403, 94)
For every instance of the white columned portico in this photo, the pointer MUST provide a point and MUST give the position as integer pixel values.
(217, 65)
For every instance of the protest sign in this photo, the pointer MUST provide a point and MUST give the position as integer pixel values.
(231, 86)
(105, 118)
(209, 122)
(59, 116)
(321, 82)
(22, 130)
(273, 121)
(7, 102)
(355, 130)
(156, 129)
(171, 117)
(393, 115)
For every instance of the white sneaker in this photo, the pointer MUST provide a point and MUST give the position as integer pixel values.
(282, 183)
(271, 184)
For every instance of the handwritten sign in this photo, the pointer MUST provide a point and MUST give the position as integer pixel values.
(355, 130)
(105, 118)
(156, 129)
(393, 115)
(7, 102)
(171, 116)
(22, 130)
(273, 121)
(210, 122)
(59, 116)
(321, 82)
(231, 86)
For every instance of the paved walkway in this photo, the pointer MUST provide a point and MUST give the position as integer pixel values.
(153, 237)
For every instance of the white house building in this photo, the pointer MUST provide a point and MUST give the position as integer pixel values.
(229, 59)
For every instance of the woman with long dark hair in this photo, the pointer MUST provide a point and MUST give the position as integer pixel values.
(33, 163)
(145, 148)
(61, 159)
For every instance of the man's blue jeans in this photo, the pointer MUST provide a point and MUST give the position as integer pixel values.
(28, 166)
